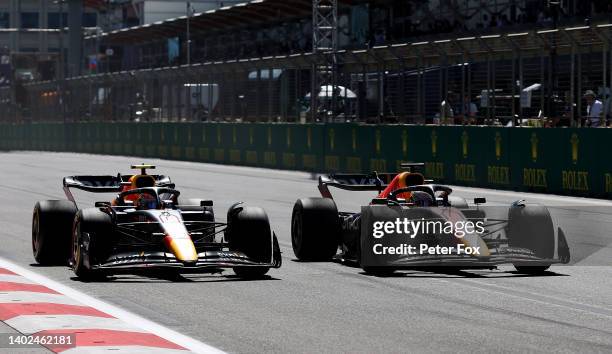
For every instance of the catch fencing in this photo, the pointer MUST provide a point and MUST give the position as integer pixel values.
(538, 74)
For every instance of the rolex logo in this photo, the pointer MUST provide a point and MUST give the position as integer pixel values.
(288, 137)
(534, 147)
(464, 144)
(498, 149)
(269, 136)
(434, 143)
(574, 141)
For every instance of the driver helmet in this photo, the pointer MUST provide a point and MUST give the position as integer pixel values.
(402, 180)
(146, 201)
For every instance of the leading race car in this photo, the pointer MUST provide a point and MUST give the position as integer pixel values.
(149, 226)
(413, 222)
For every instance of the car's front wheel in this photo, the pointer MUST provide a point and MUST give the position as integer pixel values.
(91, 242)
(248, 231)
(530, 227)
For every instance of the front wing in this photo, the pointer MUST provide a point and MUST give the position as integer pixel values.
(206, 260)
(467, 261)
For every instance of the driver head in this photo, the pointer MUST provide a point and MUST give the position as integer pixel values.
(146, 202)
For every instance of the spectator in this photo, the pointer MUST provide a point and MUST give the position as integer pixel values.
(379, 37)
(469, 111)
(594, 109)
(447, 114)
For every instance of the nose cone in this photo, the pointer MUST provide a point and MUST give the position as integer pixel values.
(182, 248)
(177, 239)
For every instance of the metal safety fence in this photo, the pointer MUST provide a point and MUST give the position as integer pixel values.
(534, 77)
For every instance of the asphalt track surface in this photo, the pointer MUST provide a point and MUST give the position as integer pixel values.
(330, 307)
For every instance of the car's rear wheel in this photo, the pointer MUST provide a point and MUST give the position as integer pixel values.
(530, 227)
(91, 242)
(315, 229)
(51, 231)
(249, 232)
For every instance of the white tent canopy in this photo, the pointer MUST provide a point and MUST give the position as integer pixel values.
(327, 90)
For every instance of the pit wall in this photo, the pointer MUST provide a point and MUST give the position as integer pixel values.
(560, 161)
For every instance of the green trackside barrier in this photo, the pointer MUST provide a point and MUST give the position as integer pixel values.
(76, 137)
(569, 161)
(307, 142)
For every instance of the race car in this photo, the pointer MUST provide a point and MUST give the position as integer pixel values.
(149, 226)
(393, 230)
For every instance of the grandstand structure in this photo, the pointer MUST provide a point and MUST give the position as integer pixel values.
(394, 61)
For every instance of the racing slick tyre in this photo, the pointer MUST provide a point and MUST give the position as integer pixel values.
(52, 230)
(91, 242)
(248, 231)
(315, 229)
(195, 205)
(530, 227)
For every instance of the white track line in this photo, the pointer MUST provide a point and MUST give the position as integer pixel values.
(150, 326)
(534, 297)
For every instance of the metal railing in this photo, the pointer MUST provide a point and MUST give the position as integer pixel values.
(532, 77)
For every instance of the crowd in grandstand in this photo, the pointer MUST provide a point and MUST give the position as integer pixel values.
(402, 22)
(382, 23)
(394, 93)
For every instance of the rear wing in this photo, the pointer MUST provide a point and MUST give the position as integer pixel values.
(354, 182)
(95, 184)
(363, 182)
(106, 184)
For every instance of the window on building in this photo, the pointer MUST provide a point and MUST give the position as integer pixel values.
(5, 20)
(55, 21)
(90, 19)
(29, 20)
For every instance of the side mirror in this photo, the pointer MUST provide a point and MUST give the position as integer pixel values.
(206, 203)
(480, 201)
(101, 204)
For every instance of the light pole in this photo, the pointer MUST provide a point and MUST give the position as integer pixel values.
(188, 33)
(62, 76)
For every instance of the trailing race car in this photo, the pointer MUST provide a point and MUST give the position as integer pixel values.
(148, 226)
(415, 223)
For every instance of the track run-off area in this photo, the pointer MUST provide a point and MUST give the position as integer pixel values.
(331, 307)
